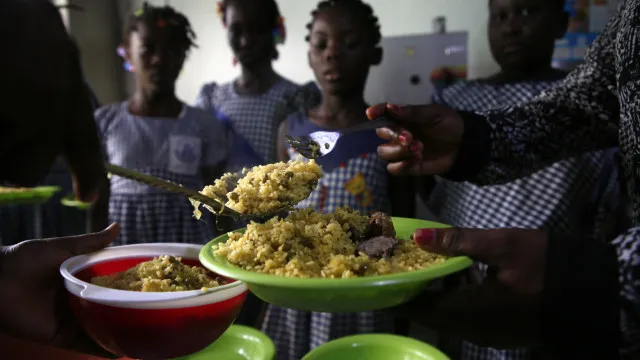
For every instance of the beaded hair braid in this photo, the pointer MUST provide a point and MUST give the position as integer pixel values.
(161, 17)
(164, 16)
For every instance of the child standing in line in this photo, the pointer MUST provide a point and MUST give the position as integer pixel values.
(252, 106)
(344, 42)
(572, 197)
(157, 134)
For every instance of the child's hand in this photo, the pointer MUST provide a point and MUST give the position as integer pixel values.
(34, 303)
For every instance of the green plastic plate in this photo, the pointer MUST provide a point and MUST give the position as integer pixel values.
(71, 201)
(375, 347)
(339, 295)
(238, 343)
(36, 195)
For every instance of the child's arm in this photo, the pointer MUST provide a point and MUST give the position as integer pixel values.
(281, 142)
(100, 209)
(215, 153)
(403, 196)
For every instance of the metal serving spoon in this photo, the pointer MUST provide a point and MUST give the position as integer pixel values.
(216, 206)
(320, 143)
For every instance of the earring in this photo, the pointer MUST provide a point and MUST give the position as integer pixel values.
(235, 61)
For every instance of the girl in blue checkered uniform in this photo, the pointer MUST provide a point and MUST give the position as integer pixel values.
(343, 44)
(155, 133)
(252, 106)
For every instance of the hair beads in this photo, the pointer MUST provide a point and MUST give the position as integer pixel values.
(182, 35)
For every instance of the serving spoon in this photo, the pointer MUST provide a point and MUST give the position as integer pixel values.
(214, 205)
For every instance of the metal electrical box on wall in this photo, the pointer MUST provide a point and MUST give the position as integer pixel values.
(414, 66)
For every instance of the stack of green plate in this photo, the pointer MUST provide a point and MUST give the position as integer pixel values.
(238, 343)
(36, 195)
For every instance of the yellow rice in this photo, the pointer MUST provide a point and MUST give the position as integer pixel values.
(266, 188)
(309, 244)
(161, 274)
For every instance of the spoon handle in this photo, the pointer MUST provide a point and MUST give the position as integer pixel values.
(171, 187)
(369, 125)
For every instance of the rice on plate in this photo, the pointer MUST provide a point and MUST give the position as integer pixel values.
(265, 188)
(308, 244)
(160, 274)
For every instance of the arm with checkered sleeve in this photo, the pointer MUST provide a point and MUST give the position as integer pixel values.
(204, 98)
(215, 147)
(593, 288)
(100, 213)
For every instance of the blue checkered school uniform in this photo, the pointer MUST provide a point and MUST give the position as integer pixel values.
(572, 196)
(353, 175)
(251, 125)
(251, 121)
(171, 149)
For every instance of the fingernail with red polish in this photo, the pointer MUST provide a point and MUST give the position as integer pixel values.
(424, 237)
(404, 137)
(416, 146)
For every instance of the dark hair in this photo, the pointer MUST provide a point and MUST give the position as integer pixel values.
(356, 8)
(156, 15)
(557, 5)
(271, 12)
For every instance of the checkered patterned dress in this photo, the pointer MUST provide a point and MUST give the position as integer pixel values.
(568, 196)
(251, 121)
(171, 149)
(353, 176)
(251, 125)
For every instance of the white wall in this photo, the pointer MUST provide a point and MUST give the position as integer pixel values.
(97, 33)
(212, 60)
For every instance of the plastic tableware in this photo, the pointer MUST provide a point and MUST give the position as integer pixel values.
(338, 295)
(145, 325)
(36, 195)
(375, 347)
(238, 343)
(71, 201)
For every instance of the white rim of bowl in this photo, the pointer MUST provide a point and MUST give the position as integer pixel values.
(143, 300)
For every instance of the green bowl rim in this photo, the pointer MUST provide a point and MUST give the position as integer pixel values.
(402, 341)
(37, 190)
(35, 195)
(70, 201)
(449, 266)
(269, 346)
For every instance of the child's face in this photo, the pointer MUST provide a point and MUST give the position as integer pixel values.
(156, 56)
(340, 51)
(250, 34)
(522, 33)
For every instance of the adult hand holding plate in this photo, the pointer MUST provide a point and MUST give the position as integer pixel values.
(499, 310)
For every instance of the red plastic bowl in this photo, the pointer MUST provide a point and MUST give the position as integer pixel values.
(148, 325)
